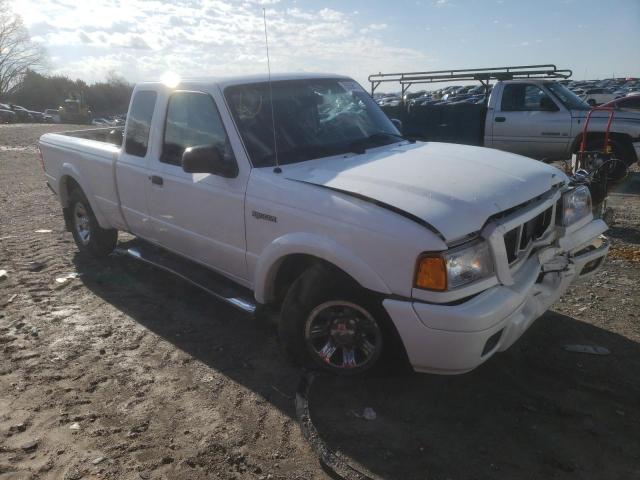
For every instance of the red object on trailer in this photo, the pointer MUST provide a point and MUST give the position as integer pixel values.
(583, 143)
(596, 168)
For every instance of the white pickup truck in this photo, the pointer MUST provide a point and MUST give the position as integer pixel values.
(528, 112)
(299, 194)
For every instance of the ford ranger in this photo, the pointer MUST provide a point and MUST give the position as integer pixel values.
(298, 194)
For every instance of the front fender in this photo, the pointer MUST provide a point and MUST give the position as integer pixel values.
(315, 245)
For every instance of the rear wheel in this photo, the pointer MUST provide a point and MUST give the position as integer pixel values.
(87, 233)
(330, 322)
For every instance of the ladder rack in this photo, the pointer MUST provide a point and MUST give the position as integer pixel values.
(483, 75)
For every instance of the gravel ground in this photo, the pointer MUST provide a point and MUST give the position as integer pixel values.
(125, 372)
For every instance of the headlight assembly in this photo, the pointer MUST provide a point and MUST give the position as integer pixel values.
(576, 204)
(455, 267)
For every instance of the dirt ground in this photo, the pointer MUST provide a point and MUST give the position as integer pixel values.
(125, 372)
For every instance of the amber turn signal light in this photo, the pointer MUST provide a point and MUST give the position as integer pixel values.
(431, 273)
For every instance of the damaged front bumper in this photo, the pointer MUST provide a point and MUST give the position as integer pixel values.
(456, 338)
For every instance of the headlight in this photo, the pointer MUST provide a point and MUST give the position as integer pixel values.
(576, 204)
(454, 268)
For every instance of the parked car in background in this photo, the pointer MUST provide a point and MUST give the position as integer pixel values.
(480, 90)
(37, 117)
(411, 95)
(22, 114)
(631, 102)
(598, 96)
(6, 114)
(54, 113)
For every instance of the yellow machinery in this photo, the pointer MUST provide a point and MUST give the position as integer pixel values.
(75, 110)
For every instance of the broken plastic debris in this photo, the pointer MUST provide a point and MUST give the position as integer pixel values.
(591, 349)
(3, 275)
(44, 230)
(68, 276)
(368, 414)
(74, 426)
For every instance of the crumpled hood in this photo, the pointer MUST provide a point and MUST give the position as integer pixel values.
(454, 188)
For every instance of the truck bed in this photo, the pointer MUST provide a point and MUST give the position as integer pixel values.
(111, 135)
(88, 158)
(456, 123)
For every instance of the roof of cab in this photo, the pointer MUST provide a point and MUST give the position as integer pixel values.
(223, 82)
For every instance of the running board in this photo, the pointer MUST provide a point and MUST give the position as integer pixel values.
(211, 282)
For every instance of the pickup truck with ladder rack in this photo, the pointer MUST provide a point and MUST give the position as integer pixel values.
(297, 194)
(527, 112)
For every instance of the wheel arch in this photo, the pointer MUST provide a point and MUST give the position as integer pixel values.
(288, 256)
(623, 139)
(71, 179)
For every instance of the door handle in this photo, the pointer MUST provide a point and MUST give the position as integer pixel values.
(156, 180)
(500, 119)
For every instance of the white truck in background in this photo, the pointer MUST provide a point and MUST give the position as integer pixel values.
(527, 112)
(299, 194)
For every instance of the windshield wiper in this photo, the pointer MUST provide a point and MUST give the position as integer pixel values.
(402, 137)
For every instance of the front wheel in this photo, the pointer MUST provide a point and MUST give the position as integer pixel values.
(89, 236)
(330, 322)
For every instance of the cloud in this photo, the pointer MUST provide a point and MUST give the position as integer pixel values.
(138, 43)
(373, 27)
(140, 39)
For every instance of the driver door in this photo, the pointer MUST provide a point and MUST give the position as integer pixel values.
(198, 215)
(530, 122)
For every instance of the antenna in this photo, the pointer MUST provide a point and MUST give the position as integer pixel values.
(277, 168)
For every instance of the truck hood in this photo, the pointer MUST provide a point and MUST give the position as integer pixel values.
(619, 115)
(453, 188)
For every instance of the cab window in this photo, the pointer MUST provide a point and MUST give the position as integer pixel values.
(139, 123)
(520, 97)
(193, 120)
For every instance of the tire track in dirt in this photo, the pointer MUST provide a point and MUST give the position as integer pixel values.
(125, 363)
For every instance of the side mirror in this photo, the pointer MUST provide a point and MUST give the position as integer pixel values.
(208, 159)
(397, 123)
(547, 105)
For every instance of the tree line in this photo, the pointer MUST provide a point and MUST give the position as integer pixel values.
(39, 92)
(22, 83)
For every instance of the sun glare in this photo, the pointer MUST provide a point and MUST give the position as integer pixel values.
(170, 79)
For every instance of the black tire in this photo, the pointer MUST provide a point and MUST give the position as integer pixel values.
(318, 294)
(620, 151)
(89, 236)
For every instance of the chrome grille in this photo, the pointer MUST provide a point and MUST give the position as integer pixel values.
(519, 239)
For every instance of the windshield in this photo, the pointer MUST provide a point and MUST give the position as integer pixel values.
(313, 118)
(569, 99)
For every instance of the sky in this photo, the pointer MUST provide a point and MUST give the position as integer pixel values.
(143, 39)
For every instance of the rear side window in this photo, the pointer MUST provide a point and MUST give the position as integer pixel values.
(193, 120)
(139, 123)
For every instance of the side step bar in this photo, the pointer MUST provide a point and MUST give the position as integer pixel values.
(211, 282)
